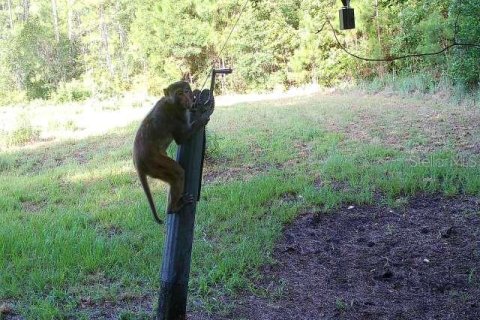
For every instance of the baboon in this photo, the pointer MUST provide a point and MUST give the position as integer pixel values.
(168, 120)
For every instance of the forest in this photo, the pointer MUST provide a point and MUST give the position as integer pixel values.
(68, 50)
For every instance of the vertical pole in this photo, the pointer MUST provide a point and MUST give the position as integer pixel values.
(172, 300)
(177, 254)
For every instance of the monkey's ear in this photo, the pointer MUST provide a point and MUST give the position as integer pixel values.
(165, 92)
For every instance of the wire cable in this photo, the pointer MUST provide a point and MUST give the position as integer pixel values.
(226, 40)
(398, 57)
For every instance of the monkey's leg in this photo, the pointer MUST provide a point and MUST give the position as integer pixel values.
(171, 172)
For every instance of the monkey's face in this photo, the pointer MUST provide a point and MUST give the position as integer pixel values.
(184, 96)
(181, 93)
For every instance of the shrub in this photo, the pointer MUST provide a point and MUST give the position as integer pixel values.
(74, 90)
(11, 97)
(213, 145)
(23, 134)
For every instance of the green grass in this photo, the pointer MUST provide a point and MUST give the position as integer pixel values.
(75, 225)
(421, 84)
(23, 133)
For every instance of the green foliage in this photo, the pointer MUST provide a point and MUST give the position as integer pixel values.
(263, 45)
(11, 97)
(120, 45)
(213, 145)
(24, 132)
(73, 90)
(464, 68)
(36, 63)
(426, 82)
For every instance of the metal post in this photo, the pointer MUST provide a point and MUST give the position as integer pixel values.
(172, 301)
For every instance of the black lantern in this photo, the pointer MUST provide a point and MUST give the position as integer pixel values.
(347, 16)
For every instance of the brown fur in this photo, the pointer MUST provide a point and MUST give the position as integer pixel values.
(168, 120)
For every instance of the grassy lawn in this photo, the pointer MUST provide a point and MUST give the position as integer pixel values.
(76, 233)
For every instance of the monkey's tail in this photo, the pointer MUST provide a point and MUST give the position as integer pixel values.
(146, 188)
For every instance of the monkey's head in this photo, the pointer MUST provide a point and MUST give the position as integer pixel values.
(181, 94)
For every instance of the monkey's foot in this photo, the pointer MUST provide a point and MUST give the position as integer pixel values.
(187, 199)
(182, 202)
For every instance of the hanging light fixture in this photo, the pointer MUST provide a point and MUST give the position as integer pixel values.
(347, 16)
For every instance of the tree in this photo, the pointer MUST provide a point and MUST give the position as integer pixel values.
(55, 20)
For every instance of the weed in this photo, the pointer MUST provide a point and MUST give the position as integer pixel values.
(213, 144)
(71, 125)
(74, 90)
(137, 104)
(340, 305)
(420, 83)
(24, 132)
(111, 107)
(471, 276)
(133, 316)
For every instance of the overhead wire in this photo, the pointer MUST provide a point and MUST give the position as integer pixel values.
(389, 59)
(226, 40)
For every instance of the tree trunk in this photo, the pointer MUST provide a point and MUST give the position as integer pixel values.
(70, 4)
(122, 37)
(104, 34)
(10, 15)
(380, 67)
(26, 10)
(378, 24)
(55, 20)
(120, 30)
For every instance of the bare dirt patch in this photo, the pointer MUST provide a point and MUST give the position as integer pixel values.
(226, 174)
(33, 206)
(138, 307)
(374, 262)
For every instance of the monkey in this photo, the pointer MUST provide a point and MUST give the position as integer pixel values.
(168, 121)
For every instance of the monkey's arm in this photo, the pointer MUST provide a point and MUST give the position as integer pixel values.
(182, 135)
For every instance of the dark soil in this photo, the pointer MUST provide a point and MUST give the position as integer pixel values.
(373, 262)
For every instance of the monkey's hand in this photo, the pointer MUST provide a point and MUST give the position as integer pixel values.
(208, 112)
(205, 118)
